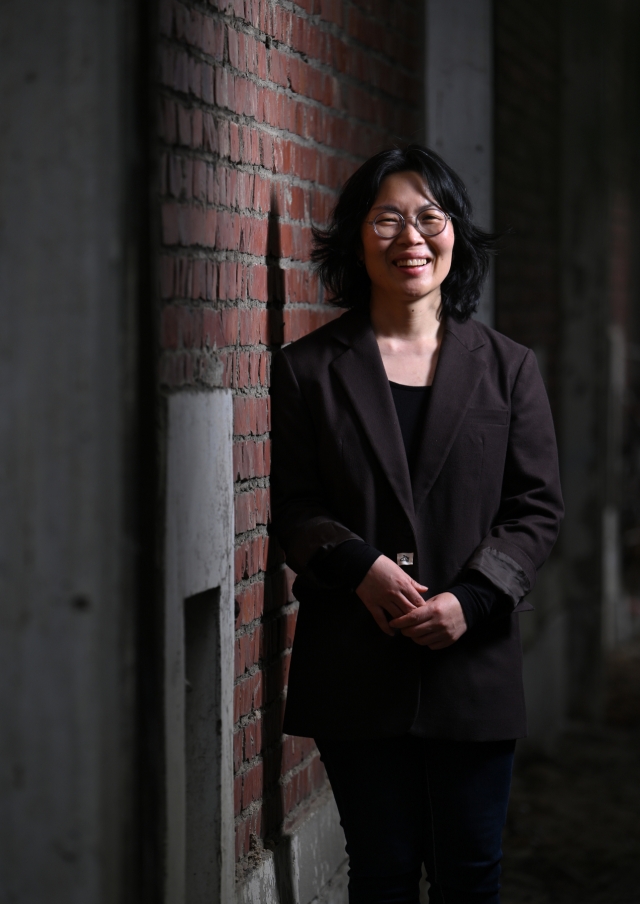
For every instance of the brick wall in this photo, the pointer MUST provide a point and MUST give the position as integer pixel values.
(527, 177)
(264, 109)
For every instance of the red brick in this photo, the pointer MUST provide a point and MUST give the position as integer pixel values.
(251, 557)
(252, 785)
(212, 38)
(248, 650)
(257, 286)
(237, 749)
(251, 459)
(251, 603)
(247, 695)
(253, 370)
(253, 326)
(250, 415)
(253, 739)
(251, 509)
(219, 328)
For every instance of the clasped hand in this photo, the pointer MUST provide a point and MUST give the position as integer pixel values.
(435, 623)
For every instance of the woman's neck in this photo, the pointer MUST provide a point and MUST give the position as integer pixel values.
(409, 338)
(413, 321)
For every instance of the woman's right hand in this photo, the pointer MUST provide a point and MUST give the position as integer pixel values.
(387, 588)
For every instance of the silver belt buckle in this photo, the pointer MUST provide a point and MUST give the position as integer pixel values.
(404, 558)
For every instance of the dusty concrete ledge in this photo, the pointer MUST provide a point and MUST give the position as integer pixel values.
(308, 865)
(259, 887)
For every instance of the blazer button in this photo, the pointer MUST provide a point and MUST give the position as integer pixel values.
(404, 558)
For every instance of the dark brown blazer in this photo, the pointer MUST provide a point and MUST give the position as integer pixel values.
(485, 494)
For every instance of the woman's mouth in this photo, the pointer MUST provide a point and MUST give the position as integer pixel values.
(412, 262)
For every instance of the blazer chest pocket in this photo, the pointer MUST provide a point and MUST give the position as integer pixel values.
(499, 417)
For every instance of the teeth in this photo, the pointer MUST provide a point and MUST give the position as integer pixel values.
(413, 262)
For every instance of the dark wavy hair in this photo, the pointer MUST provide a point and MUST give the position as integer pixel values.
(335, 249)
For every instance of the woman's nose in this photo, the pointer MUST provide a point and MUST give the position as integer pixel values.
(411, 233)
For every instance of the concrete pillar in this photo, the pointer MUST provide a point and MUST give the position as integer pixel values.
(459, 98)
(199, 649)
(67, 389)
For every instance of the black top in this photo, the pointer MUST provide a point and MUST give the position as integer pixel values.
(411, 407)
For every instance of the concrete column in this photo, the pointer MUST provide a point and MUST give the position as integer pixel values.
(67, 389)
(459, 98)
(199, 649)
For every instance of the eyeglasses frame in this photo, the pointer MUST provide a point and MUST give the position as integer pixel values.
(412, 220)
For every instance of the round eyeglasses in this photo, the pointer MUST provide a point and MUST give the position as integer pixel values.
(390, 224)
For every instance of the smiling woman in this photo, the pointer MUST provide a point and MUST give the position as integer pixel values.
(337, 250)
(407, 267)
(407, 247)
(415, 492)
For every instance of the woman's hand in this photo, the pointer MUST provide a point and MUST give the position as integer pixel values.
(436, 624)
(387, 588)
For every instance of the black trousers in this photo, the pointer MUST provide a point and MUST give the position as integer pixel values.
(407, 801)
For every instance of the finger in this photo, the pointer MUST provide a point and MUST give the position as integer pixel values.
(413, 618)
(419, 587)
(398, 599)
(412, 595)
(419, 634)
(390, 606)
(432, 639)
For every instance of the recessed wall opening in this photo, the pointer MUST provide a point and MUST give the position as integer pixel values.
(202, 744)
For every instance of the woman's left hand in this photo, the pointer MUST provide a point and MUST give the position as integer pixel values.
(436, 624)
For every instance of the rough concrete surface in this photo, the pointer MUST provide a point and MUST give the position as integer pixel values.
(573, 831)
(309, 866)
(335, 891)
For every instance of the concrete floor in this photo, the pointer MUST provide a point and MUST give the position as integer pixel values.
(573, 832)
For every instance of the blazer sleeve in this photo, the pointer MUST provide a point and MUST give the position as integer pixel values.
(531, 509)
(301, 520)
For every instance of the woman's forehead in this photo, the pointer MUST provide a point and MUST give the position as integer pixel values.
(405, 186)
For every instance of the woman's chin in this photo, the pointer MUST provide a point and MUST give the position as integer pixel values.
(420, 292)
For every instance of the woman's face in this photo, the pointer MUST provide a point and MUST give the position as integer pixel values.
(411, 266)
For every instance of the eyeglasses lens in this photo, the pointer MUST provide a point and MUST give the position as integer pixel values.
(387, 225)
(429, 222)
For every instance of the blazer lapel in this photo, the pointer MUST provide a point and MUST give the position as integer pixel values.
(458, 373)
(362, 374)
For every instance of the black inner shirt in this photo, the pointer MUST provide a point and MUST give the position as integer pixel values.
(411, 406)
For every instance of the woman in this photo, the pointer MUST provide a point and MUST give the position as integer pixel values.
(415, 493)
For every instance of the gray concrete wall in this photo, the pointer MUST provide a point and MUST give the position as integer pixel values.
(459, 100)
(544, 643)
(66, 795)
(585, 373)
